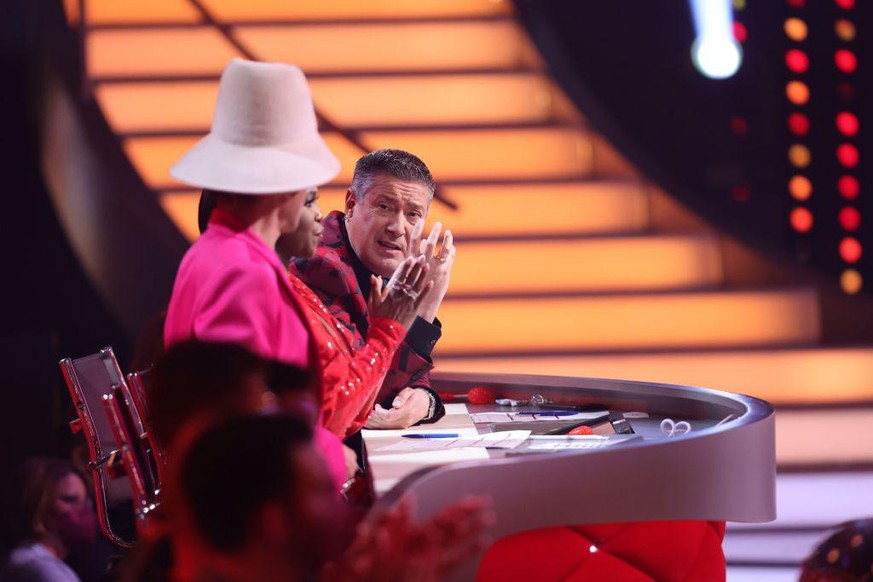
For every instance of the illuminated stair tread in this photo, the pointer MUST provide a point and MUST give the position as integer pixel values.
(595, 264)
(595, 207)
(391, 101)
(373, 47)
(797, 375)
(636, 321)
(353, 9)
(549, 153)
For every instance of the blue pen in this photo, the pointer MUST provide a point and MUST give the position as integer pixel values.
(431, 435)
(549, 412)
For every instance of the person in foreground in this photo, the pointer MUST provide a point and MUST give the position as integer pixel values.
(385, 210)
(260, 158)
(285, 521)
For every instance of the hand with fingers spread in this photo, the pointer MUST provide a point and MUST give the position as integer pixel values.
(401, 297)
(411, 405)
(439, 252)
(392, 547)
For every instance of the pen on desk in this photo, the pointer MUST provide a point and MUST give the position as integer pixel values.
(431, 435)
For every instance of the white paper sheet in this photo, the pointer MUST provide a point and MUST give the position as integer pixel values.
(508, 439)
(483, 417)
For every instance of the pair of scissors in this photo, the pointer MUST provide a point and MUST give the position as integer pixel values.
(670, 428)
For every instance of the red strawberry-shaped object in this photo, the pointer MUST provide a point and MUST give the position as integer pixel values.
(481, 395)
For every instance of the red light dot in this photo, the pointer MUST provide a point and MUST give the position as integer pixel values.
(797, 61)
(850, 250)
(798, 124)
(849, 187)
(850, 219)
(845, 4)
(741, 192)
(740, 32)
(847, 123)
(847, 155)
(801, 219)
(739, 125)
(796, 3)
(846, 91)
(845, 60)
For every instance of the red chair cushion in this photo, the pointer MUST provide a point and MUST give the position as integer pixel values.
(631, 552)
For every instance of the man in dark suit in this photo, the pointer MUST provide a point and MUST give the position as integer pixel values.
(385, 211)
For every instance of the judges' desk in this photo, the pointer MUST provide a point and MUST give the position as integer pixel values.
(724, 469)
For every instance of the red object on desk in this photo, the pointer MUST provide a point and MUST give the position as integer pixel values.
(582, 430)
(481, 395)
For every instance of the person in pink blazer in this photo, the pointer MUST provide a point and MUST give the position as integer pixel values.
(260, 158)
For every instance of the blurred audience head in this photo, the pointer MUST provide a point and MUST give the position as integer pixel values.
(53, 507)
(844, 556)
(203, 382)
(254, 493)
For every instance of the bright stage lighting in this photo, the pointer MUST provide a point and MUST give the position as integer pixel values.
(715, 52)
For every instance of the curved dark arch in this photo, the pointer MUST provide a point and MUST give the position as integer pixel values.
(125, 242)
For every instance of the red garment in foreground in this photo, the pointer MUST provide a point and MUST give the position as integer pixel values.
(666, 551)
(350, 379)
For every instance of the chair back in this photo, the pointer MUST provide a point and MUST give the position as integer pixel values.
(135, 453)
(89, 378)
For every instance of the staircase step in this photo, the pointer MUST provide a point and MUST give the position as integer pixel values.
(596, 264)
(780, 376)
(393, 101)
(388, 47)
(589, 207)
(521, 153)
(630, 322)
(594, 207)
(354, 9)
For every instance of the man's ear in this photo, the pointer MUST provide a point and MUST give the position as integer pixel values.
(351, 202)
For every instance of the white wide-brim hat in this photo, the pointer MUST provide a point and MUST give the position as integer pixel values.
(264, 137)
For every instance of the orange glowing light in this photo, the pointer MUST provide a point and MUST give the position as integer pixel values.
(845, 30)
(797, 92)
(851, 281)
(850, 250)
(796, 29)
(799, 155)
(800, 188)
(801, 220)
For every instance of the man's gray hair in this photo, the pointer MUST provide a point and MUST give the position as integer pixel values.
(387, 162)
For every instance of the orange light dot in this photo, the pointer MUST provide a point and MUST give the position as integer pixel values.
(800, 219)
(797, 92)
(850, 250)
(845, 30)
(739, 4)
(800, 188)
(799, 155)
(851, 281)
(796, 29)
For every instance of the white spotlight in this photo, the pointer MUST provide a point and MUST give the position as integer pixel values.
(715, 51)
(717, 58)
